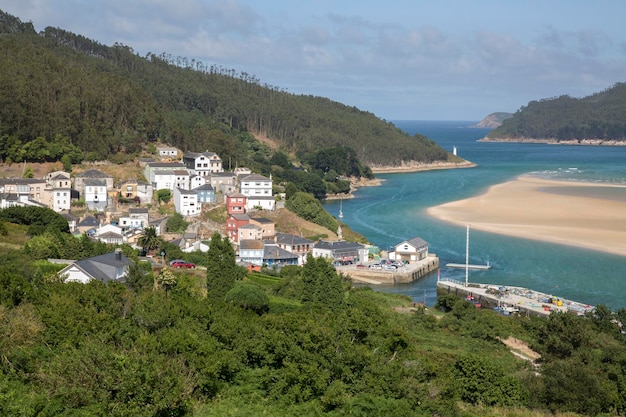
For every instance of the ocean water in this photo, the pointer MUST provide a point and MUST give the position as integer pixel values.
(394, 212)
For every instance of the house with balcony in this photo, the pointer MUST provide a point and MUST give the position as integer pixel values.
(250, 252)
(203, 164)
(295, 244)
(258, 190)
(274, 256)
(26, 192)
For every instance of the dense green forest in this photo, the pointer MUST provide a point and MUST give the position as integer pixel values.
(300, 342)
(106, 102)
(601, 116)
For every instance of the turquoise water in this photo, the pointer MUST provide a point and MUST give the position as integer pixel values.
(395, 212)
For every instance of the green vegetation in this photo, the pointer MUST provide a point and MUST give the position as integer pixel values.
(300, 341)
(307, 207)
(90, 101)
(599, 116)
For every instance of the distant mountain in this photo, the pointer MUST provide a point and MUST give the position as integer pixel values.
(107, 101)
(493, 120)
(597, 119)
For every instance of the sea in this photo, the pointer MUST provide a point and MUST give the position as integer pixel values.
(396, 211)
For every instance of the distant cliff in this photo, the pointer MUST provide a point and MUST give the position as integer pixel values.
(493, 120)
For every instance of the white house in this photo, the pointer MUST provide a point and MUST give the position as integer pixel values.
(251, 252)
(167, 152)
(111, 266)
(95, 193)
(181, 179)
(412, 250)
(258, 190)
(202, 164)
(196, 181)
(61, 199)
(151, 167)
(186, 202)
(249, 232)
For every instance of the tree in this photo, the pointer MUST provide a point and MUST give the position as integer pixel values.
(166, 279)
(164, 195)
(222, 271)
(149, 240)
(67, 163)
(248, 296)
(176, 223)
(322, 285)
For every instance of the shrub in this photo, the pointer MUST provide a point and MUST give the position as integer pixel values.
(248, 296)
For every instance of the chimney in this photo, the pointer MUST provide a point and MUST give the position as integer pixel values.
(118, 254)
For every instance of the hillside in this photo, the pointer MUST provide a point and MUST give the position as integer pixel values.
(62, 93)
(597, 119)
(493, 120)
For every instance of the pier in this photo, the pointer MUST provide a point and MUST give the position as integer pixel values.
(524, 300)
(408, 273)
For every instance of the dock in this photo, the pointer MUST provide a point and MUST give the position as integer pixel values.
(411, 272)
(511, 299)
(468, 266)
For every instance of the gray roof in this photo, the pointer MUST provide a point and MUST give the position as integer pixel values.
(204, 187)
(95, 182)
(93, 173)
(103, 266)
(417, 242)
(261, 220)
(255, 177)
(276, 253)
(338, 245)
(138, 210)
(289, 239)
(89, 221)
(166, 165)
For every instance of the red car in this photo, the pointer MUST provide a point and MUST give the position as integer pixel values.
(183, 264)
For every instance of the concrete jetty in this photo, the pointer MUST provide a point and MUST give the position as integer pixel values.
(408, 273)
(511, 299)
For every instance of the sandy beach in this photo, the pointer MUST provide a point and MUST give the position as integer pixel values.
(588, 215)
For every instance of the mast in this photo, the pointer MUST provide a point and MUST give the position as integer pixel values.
(467, 255)
(341, 208)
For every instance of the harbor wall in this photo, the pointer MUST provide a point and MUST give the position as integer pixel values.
(409, 273)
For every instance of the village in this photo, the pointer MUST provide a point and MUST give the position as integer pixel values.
(119, 211)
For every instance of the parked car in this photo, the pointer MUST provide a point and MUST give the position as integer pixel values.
(173, 261)
(375, 266)
(182, 264)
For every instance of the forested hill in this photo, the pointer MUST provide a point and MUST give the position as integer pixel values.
(62, 87)
(599, 118)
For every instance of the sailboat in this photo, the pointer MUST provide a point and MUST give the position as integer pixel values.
(467, 265)
(341, 208)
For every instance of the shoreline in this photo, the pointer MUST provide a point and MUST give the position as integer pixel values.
(550, 141)
(418, 167)
(585, 215)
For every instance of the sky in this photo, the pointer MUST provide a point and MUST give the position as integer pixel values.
(399, 59)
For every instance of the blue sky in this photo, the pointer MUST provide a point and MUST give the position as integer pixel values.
(399, 59)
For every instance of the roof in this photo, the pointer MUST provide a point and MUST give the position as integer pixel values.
(137, 210)
(69, 217)
(166, 165)
(416, 242)
(204, 187)
(92, 173)
(338, 245)
(110, 235)
(250, 226)
(251, 244)
(181, 172)
(195, 155)
(240, 216)
(89, 221)
(274, 252)
(95, 182)
(289, 239)
(96, 267)
(223, 174)
(255, 177)
(261, 220)
(23, 181)
(236, 195)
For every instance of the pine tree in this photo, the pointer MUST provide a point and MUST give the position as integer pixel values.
(222, 271)
(322, 285)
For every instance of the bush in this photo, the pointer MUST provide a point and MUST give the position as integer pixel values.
(248, 296)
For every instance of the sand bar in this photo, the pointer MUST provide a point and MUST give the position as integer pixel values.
(589, 215)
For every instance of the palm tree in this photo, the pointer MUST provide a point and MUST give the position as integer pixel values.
(149, 240)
